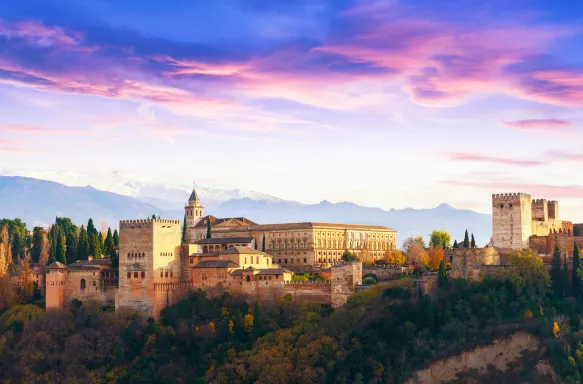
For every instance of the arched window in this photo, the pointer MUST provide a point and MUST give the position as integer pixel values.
(247, 278)
(83, 284)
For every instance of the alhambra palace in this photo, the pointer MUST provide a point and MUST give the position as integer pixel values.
(158, 265)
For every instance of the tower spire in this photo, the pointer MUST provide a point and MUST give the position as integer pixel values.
(193, 195)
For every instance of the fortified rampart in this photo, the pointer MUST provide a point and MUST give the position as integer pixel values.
(385, 272)
(469, 262)
(544, 245)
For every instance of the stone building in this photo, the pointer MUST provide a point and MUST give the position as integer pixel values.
(297, 246)
(156, 269)
(520, 222)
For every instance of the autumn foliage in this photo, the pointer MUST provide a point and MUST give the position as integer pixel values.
(435, 257)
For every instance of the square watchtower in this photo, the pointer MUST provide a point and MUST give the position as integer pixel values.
(511, 220)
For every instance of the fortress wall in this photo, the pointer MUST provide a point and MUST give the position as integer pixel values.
(384, 272)
(540, 210)
(469, 262)
(511, 220)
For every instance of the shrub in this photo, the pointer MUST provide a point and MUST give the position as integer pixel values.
(369, 281)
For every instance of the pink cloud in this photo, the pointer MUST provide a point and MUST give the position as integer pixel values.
(538, 124)
(35, 129)
(566, 156)
(490, 159)
(535, 190)
(38, 33)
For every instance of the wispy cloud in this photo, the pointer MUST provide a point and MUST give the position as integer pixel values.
(491, 159)
(534, 189)
(538, 124)
(36, 129)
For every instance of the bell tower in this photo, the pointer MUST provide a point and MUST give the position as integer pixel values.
(193, 210)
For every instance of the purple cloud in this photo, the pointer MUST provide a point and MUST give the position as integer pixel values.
(490, 159)
(538, 124)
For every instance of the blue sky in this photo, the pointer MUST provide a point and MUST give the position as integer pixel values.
(383, 103)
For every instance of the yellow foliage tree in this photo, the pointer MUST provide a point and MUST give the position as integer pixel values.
(556, 330)
(248, 323)
(27, 291)
(395, 257)
(435, 258)
(417, 255)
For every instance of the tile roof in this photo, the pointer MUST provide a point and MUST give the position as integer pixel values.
(57, 265)
(193, 195)
(224, 222)
(225, 240)
(309, 225)
(240, 250)
(216, 264)
(273, 271)
(74, 267)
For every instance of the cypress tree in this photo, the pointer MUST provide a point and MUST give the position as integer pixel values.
(556, 275)
(209, 229)
(53, 240)
(576, 282)
(263, 244)
(184, 239)
(466, 240)
(257, 329)
(92, 241)
(97, 247)
(109, 246)
(565, 284)
(442, 281)
(83, 245)
(61, 254)
(37, 241)
(72, 245)
(91, 228)
(473, 242)
(115, 238)
(455, 246)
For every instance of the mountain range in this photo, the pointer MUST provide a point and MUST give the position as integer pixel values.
(38, 202)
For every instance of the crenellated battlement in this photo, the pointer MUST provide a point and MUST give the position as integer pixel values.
(146, 222)
(509, 196)
(539, 201)
(307, 284)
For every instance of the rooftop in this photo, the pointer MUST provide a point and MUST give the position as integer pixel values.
(240, 251)
(225, 240)
(273, 271)
(309, 225)
(216, 264)
(57, 265)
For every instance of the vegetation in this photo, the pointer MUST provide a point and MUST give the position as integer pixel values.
(349, 256)
(440, 239)
(394, 257)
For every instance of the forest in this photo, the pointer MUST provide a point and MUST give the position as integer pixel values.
(381, 335)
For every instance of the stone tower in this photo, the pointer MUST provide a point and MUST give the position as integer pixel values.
(344, 278)
(194, 212)
(55, 285)
(512, 220)
(149, 253)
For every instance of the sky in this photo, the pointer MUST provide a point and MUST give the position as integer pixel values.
(396, 103)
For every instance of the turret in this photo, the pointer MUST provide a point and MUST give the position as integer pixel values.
(194, 210)
(511, 220)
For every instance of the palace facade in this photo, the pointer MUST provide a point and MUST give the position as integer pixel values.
(158, 265)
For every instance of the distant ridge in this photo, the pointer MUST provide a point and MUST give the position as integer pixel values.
(38, 202)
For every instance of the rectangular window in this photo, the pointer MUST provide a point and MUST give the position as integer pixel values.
(135, 275)
(305, 260)
(171, 273)
(143, 275)
(166, 274)
(94, 283)
(161, 274)
(52, 283)
(129, 275)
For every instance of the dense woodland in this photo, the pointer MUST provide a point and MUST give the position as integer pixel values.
(380, 335)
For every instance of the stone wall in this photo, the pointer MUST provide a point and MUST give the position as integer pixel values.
(498, 354)
(384, 272)
(344, 278)
(93, 289)
(469, 262)
(309, 292)
(169, 293)
(543, 245)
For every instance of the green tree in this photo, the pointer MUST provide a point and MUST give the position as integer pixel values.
(565, 284)
(556, 274)
(60, 248)
(91, 230)
(349, 256)
(257, 330)
(440, 239)
(466, 240)
(109, 246)
(37, 242)
(576, 288)
(442, 281)
(184, 231)
(455, 246)
(83, 244)
(209, 229)
(473, 242)
(53, 241)
(263, 244)
(115, 238)
(96, 247)
(72, 245)
(410, 242)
